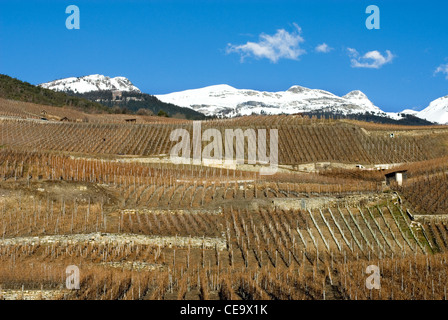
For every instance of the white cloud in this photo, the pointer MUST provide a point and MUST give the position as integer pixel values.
(323, 48)
(443, 68)
(372, 59)
(281, 45)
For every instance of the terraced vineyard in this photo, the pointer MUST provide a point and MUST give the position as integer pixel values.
(298, 143)
(104, 197)
(428, 193)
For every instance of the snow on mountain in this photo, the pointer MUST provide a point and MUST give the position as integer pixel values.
(359, 98)
(227, 101)
(410, 111)
(437, 111)
(93, 82)
(224, 100)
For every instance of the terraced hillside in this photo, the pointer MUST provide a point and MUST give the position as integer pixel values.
(316, 141)
(103, 197)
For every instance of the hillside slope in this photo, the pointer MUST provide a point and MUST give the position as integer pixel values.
(14, 89)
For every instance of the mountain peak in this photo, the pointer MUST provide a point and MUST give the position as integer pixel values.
(298, 89)
(437, 111)
(355, 94)
(219, 87)
(93, 82)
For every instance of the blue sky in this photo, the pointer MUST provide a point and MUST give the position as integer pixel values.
(165, 46)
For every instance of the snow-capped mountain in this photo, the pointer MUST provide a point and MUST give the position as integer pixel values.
(227, 101)
(437, 111)
(93, 82)
(224, 100)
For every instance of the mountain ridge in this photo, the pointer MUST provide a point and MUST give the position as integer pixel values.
(223, 100)
(94, 82)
